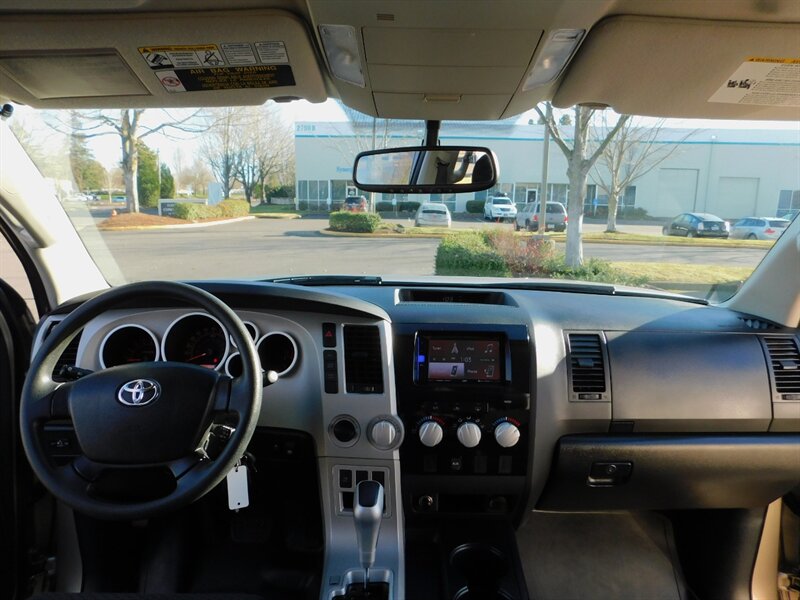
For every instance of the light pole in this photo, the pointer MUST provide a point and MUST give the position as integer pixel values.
(708, 175)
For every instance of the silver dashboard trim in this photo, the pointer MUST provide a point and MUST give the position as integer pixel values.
(106, 337)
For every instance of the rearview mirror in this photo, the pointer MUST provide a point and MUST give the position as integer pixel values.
(426, 170)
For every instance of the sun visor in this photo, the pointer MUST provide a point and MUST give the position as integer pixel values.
(688, 69)
(157, 60)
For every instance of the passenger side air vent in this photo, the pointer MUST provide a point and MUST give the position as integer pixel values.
(69, 356)
(784, 360)
(363, 365)
(587, 369)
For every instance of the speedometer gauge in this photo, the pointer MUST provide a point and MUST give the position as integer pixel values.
(128, 344)
(197, 339)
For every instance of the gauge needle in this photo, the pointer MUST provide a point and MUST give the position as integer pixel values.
(196, 357)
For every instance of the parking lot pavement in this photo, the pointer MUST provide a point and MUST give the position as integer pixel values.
(264, 247)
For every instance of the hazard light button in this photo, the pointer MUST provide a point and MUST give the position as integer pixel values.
(329, 335)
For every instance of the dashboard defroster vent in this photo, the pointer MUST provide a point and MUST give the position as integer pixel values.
(784, 361)
(587, 366)
(363, 365)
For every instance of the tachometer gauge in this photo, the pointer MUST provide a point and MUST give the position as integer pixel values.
(197, 339)
(277, 352)
(128, 344)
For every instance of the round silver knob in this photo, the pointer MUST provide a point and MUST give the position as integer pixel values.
(383, 434)
(506, 434)
(430, 433)
(469, 434)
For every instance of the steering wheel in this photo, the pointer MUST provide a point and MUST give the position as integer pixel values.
(140, 427)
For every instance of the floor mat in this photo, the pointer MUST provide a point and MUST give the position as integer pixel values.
(599, 556)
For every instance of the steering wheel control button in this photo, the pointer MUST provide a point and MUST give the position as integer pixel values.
(331, 371)
(430, 433)
(609, 473)
(345, 431)
(139, 392)
(329, 335)
(506, 434)
(469, 434)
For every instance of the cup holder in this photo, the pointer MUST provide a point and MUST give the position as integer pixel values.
(479, 563)
(467, 594)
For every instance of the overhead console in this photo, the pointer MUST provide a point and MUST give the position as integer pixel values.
(464, 398)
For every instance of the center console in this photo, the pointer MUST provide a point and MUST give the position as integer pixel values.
(464, 396)
(464, 399)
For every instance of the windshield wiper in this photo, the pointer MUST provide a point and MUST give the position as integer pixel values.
(311, 280)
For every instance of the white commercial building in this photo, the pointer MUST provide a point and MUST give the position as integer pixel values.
(732, 173)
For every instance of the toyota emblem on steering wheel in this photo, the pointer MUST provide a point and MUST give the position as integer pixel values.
(139, 392)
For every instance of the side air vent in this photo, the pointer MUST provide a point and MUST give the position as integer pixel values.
(587, 367)
(784, 360)
(69, 356)
(363, 365)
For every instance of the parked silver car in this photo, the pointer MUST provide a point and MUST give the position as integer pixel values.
(528, 217)
(759, 228)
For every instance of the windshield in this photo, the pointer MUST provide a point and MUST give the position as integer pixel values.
(265, 192)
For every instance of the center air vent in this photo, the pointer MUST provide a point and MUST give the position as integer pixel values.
(784, 359)
(587, 367)
(363, 365)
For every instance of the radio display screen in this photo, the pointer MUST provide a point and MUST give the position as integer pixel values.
(463, 359)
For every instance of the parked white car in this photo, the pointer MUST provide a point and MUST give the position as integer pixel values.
(499, 207)
(433, 214)
(759, 228)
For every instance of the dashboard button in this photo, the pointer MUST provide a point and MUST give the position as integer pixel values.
(455, 463)
(329, 335)
(345, 478)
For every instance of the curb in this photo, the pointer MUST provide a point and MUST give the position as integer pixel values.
(186, 226)
(395, 236)
(276, 216)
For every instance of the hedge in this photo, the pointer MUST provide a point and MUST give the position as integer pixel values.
(384, 206)
(475, 206)
(354, 222)
(227, 209)
(469, 254)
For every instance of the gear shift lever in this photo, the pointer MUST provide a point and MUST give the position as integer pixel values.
(367, 515)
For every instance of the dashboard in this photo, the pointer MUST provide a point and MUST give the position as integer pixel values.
(494, 401)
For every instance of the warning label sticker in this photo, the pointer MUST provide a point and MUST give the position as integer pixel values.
(228, 66)
(226, 78)
(272, 53)
(762, 82)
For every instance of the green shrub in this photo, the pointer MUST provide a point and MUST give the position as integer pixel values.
(354, 222)
(384, 206)
(475, 206)
(635, 212)
(469, 254)
(191, 211)
(302, 205)
(408, 206)
(233, 208)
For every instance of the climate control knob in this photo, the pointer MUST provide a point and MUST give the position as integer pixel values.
(469, 434)
(506, 434)
(430, 433)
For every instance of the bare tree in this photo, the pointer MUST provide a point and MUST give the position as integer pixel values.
(221, 146)
(633, 152)
(128, 124)
(579, 162)
(265, 145)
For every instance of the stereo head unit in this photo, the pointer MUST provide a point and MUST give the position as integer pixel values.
(445, 357)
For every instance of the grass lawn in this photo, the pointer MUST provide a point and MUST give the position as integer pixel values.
(683, 273)
(664, 240)
(274, 211)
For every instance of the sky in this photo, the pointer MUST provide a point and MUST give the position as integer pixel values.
(107, 148)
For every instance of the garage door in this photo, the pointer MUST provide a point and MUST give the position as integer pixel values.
(677, 190)
(736, 197)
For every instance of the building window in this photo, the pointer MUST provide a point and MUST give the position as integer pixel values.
(788, 201)
(302, 189)
(629, 197)
(339, 188)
